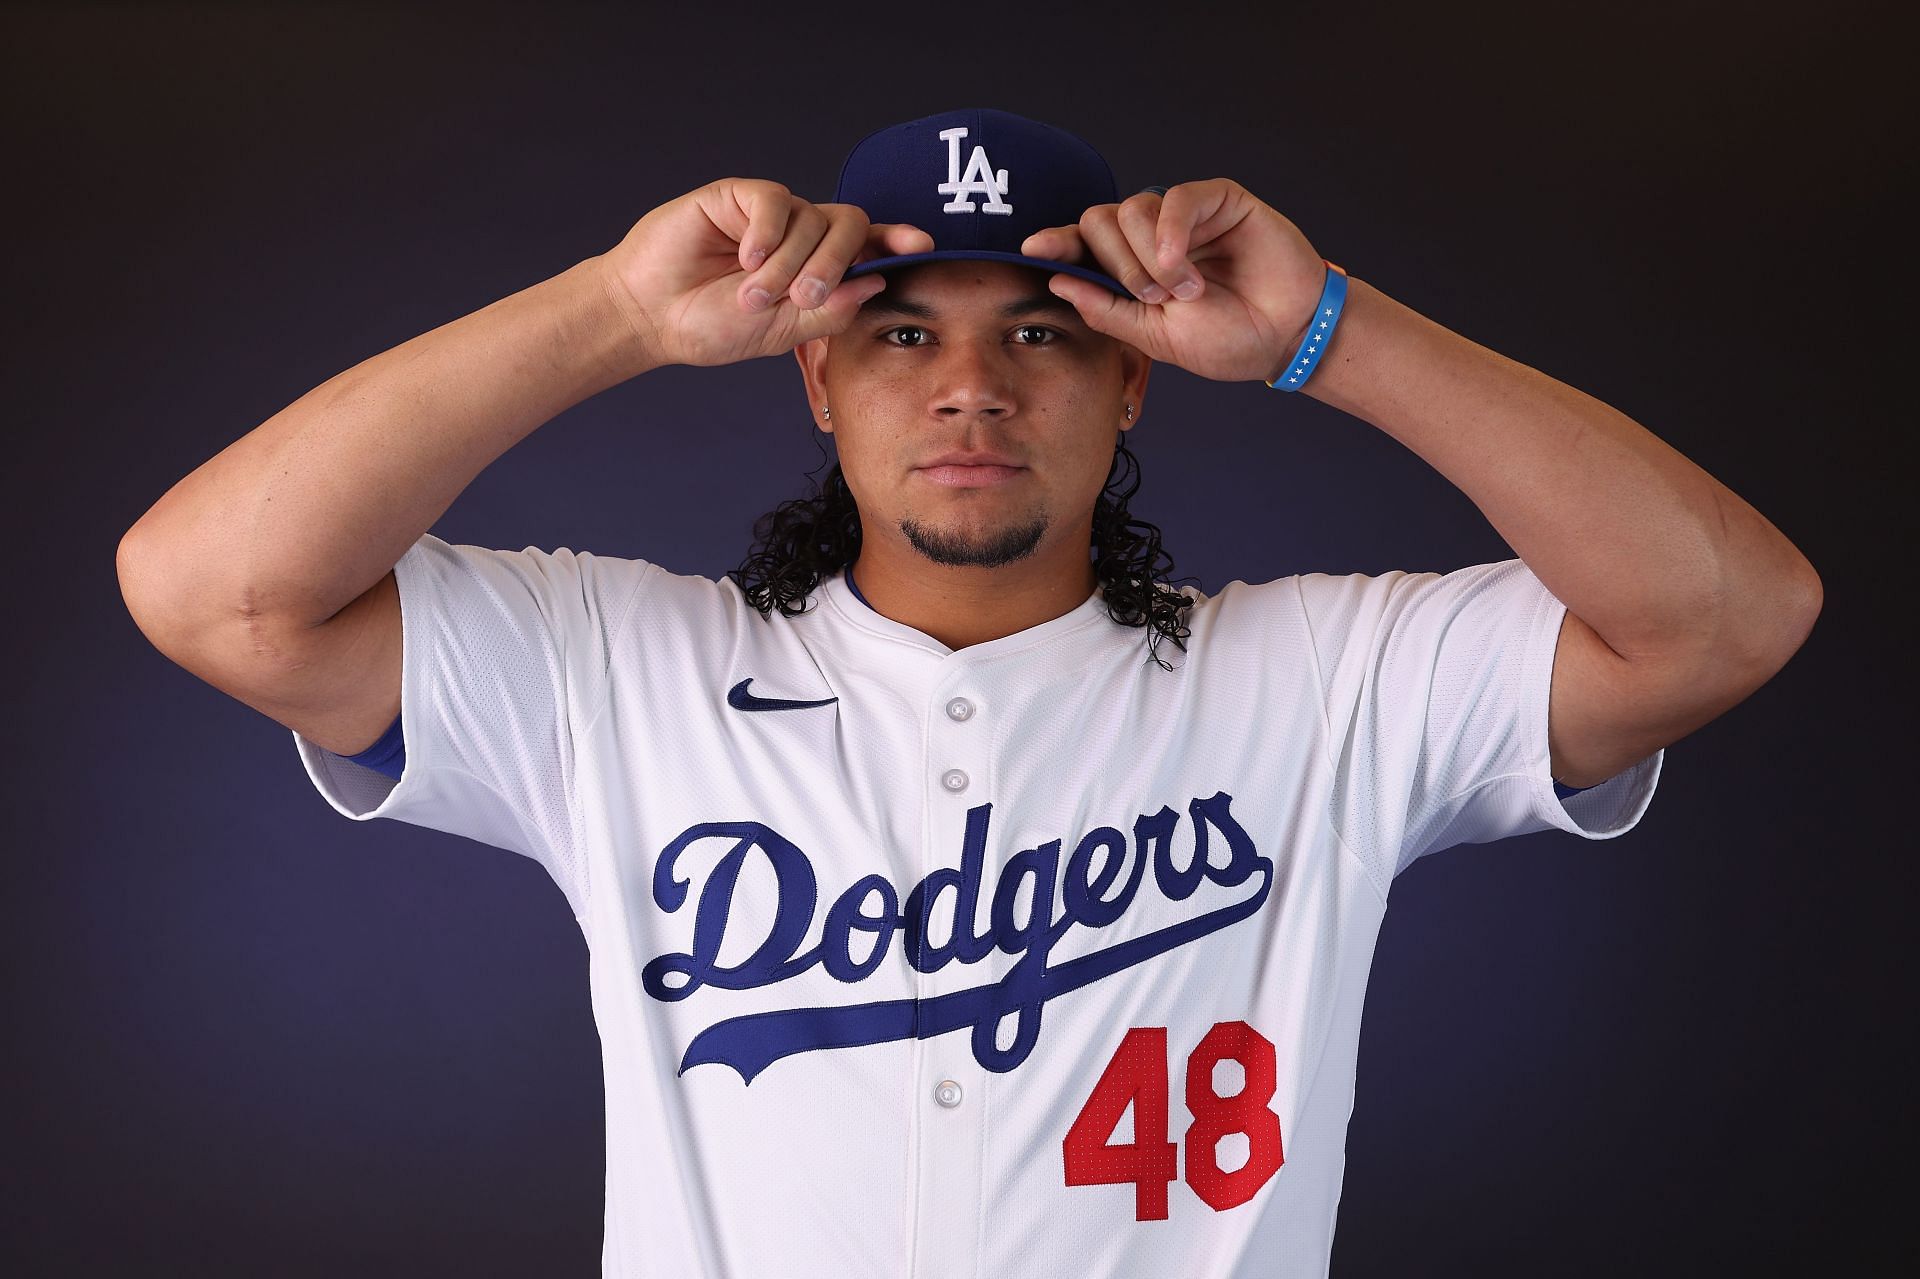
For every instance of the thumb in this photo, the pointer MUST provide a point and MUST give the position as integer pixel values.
(1103, 310)
(838, 311)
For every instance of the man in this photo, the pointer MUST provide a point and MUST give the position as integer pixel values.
(942, 920)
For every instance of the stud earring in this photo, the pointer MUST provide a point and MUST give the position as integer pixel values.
(827, 412)
(1129, 412)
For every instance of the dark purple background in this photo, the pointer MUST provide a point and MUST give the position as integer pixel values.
(247, 1036)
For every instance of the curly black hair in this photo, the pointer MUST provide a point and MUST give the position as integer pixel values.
(806, 539)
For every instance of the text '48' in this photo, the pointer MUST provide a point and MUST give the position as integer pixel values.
(1137, 1073)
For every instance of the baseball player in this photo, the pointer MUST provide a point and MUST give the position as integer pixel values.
(962, 899)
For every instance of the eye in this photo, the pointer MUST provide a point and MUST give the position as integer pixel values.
(1052, 336)
(887, 334)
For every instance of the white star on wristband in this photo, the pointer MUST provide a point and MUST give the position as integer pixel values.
(1319, 333)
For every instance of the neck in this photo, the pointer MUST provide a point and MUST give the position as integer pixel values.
(966, 605)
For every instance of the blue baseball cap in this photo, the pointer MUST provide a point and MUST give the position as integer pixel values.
(978, 181)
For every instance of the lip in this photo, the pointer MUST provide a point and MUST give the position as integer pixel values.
(958, 457)
(955, 475)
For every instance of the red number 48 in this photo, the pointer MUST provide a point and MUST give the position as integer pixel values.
(1137, 1073)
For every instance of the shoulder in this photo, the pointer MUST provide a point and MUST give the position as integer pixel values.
(716, 610)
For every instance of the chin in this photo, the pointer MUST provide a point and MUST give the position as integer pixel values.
(967, 545)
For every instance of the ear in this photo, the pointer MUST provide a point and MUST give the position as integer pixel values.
(1135, 368)
(812, 357)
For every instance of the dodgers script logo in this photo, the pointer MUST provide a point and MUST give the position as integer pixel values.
(752, 1043)
(979, 179)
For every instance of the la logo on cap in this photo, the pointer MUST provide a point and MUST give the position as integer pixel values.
(979, 179)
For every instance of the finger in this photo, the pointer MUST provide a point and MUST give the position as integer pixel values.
(839, 310)
(1141, 218)
(1173, 235)
(1100, 228)
(763, 208)
(806, 224)
(821, 273)
(1056, 244)
(895, 239)
(1105, 311)
(1193, 215)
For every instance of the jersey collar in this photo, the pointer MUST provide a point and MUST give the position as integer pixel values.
(848, 608)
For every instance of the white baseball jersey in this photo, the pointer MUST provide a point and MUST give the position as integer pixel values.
(1029, 958)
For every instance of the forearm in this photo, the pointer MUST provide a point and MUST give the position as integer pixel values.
(1653, 553)
(298, 518)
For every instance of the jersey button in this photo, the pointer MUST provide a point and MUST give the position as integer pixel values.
(947, 1093)
(954, 780)
(959, 708)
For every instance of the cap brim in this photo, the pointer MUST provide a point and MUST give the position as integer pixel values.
(985, 255)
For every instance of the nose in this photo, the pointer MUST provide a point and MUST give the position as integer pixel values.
(972, 379)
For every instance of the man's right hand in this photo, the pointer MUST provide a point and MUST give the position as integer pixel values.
(688, 275)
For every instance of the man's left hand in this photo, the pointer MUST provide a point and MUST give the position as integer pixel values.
(1258, 279)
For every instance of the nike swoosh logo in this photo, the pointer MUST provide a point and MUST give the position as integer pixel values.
(741, 700)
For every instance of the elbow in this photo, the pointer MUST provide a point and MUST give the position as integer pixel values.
(1815, 594)
(1768, 637)
(1813, 597)
(1744, 643)
(1799, 608)
(150, 595)
(133, 570)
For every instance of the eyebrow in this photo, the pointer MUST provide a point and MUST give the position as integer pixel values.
(886, 303)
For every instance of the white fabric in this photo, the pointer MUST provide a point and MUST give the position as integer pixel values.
(1320, 733)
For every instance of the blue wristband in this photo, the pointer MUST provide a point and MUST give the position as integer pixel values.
(1333, 299)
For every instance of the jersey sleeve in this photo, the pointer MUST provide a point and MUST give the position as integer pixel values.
(1436, 694)
(504, 659)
